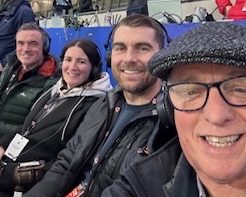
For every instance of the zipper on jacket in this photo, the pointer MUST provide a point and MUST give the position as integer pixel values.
(101, 166)
(28, 131)
(122, 157)
(97, 171)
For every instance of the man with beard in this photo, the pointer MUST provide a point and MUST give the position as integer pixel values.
(13, 13)
(119, 124)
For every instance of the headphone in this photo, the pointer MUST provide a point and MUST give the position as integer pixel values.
(46, 44)
(108, 47)
(108, 43)
(97, 69)
(164, 109)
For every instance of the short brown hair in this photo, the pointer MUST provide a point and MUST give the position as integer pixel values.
(140, 20)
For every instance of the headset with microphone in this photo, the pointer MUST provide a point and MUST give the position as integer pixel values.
(164, 108)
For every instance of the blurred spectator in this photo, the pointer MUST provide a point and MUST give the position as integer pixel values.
(62, 6)
(232, 11)
(13, 13)
(85, 6)
(137, 6)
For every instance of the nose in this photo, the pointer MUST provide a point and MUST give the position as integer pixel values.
(130, 55)
(216, 110)
(25, 47)
(72, 64)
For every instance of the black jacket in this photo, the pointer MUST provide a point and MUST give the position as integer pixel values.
(165, 173)
(51, 122)
(67, 171)
(18, 96)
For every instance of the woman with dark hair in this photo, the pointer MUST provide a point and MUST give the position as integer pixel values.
(54, 118)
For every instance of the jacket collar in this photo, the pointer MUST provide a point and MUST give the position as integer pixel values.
(47, 69)
(184, 182)
(115, 98)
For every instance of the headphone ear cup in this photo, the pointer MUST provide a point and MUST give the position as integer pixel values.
(46, 49)
(108, 59)
(169, 112)
(165, 110)
(95, 72)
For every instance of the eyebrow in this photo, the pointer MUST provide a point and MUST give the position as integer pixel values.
(29, 42)
(77, 58)
(193, 78)
(138, 44)
(236, 73)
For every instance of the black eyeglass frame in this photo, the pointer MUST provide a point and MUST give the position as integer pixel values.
(208, 86)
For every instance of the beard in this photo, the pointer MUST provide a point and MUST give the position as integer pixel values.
(132, 85)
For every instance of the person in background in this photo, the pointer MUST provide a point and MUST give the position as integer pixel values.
(62, 6)
(55, 116)
(13, 13)
(25, 78)
(85, 6)
(236, 10)
(122, 121)
(206, 96)
(137, 6)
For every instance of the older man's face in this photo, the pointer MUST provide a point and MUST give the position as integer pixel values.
(29, 48)
(213, 138)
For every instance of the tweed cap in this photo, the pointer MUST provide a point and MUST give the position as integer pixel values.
(211, 42)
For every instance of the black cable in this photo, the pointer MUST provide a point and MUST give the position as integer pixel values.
(189, 18)
(171, 16)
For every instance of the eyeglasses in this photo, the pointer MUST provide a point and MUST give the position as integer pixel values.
(193, 96)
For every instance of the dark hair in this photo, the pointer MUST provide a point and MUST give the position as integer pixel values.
(45, 35)
(140, 20)
(93, 54)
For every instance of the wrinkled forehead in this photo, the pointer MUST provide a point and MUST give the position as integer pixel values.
(28, 34)
(195, 71)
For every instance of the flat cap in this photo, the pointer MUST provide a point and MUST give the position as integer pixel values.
(211, 42)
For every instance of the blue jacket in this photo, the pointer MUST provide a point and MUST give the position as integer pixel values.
(11, 18)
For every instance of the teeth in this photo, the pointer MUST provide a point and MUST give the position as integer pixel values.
(131, 71)
(73, 74)
(222, 141)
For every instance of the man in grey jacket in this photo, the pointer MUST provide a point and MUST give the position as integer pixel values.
(121, 122)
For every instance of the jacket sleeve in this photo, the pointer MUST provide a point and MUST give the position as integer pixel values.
(120, 188)
(221, 4)
(77, 150)
(6, 139)
(26, 14)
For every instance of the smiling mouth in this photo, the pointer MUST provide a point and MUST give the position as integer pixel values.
(73, 74)
(221, 142)
(130, 71)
